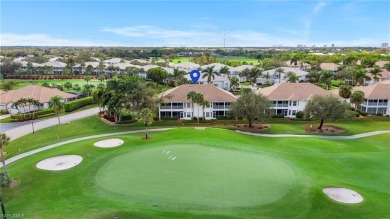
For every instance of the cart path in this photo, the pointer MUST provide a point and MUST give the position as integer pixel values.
(20, 156)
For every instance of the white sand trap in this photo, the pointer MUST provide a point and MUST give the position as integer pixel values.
(168, 152)
(174, 158)
(343, 195)
(62, 162)
(109, 143)
(200, 128)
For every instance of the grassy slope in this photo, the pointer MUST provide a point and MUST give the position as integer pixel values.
(360, 164)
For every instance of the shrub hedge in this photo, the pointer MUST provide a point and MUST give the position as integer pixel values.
(37, 114)
(75, 104)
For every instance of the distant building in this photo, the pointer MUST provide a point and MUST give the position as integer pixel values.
(42, 94)
(385, 45)
(376, 98)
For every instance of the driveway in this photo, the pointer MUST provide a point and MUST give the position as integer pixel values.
(21, 129)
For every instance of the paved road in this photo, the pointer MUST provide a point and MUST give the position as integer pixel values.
(20, 156)
(24, 129)
(7, 126)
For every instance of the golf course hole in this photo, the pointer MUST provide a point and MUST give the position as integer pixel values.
(109, 143)
(343, 195)
(62, 162)
(197, 175)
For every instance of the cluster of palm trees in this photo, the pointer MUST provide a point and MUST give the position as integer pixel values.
(26, 106)
(199, 99)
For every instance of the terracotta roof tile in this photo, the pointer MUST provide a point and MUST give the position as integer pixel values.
(292, 91)
(43, 94)
(210, 92)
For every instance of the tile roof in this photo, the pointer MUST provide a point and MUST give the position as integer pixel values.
(43, 94)
(381, 63)
(210, 92)
(292, 91)
(329, 66)
(380, 90)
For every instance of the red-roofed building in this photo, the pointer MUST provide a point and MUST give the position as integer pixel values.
(42, 94)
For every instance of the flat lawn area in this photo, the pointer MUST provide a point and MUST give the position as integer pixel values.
(80, 82)
(181, 59)
(216, 174)
(242, 59)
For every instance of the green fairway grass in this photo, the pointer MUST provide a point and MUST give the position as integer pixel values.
(80, 82)
(196, 175)
(136, 180)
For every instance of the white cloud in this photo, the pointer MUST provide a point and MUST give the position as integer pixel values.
(156, 37)
(318, 7)
(10, 39)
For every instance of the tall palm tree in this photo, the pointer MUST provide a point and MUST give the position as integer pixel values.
(294, 59)
(326, 77)
(190, 96)
(205, 104)
(375, 72)
(210, 73)
(57, 105)
(359, 75)
(198, 98)
(279, 71)
(4, 141)
(225, 71)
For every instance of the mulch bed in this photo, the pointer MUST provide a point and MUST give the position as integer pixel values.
(146, 139)
(326, 129)
(255, 127)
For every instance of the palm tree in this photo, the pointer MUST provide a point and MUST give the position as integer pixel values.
(292, 77)
(225, 71)
(4, 140)
(254, 73)
(326, 77)
(345, 91)
(205, 104)
(234, 83)
(210, 73)
(57, 105)
(191, 96)
(375, 72)
(198, 98)
(279, 71)
(147, 115)
(357, 97)
(294, 59)
(359, 75)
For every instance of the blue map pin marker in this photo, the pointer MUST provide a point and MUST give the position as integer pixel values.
(195, 75)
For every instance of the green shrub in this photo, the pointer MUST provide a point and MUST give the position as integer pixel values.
(299, 115)
(362, 112)
(224, 117)
(132, 121)
(3, 111)
(200, 121)
(37, 114)
(5, 181)
(168, 118)
(75, 104)
(278, 116)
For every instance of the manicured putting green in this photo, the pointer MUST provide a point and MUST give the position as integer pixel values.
(197, 175)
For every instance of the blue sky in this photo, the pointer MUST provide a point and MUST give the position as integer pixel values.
(194, 23)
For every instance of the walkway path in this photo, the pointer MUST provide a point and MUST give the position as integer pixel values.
(20, 156)
(27, 129)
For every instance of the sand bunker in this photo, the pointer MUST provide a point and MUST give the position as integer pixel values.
(62, 162)
(109, 143)
(343, 195)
